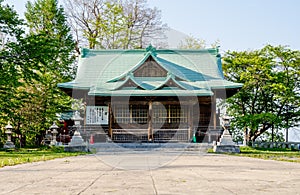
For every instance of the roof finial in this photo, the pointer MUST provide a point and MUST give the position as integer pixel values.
(151, 49)
(218, 50)
(83, 52)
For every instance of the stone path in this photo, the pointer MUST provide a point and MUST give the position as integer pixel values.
(163, 172)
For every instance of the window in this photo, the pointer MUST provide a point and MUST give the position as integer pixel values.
(162, 114)
(137, 114)
(178, 114)
(170, 114)
(121, 114)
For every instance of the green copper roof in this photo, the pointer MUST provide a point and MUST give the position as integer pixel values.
(112, 72)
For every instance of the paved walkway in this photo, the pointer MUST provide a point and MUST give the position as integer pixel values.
(152, 173)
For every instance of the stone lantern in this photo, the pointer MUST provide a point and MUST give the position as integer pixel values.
(54, 132)
(8, 131)
(226, 145)
(77, 118)
(76, 138)
(226, 121)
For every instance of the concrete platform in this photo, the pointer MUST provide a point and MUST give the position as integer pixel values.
(132, 172)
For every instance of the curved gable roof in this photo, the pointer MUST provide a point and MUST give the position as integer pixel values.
(188, 70)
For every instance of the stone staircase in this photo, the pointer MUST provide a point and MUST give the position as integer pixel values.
(102, 143)
(148, 147)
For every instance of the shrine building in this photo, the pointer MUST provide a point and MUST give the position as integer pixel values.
(151, 95)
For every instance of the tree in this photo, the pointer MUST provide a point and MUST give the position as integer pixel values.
(48, 21)
(271, 88)
(10, 66)
(31, 67)
(13, 69)
(48, 50)
(112, 24)
(143, 24)
(191, 42)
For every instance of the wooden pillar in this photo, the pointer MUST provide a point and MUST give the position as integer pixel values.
(214, 109)
(190, 122)
(150, 127)
(110, 132)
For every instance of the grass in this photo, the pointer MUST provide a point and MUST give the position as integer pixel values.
(20, 156)
(279, 154)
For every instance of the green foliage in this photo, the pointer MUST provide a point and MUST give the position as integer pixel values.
(10, 23)
(275, 136)
(57, 149)
(11, 67)
(110, 25)
(271, 89)
(53, 41)
(31, 68)
(237, 135)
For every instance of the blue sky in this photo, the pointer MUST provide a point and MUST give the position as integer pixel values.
(237, 24)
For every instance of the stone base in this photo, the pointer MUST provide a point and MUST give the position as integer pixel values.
(226, 149)
(76, 140)
(78, 148)
(9, 145)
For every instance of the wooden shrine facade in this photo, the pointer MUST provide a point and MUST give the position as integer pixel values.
(154, 119)
(152, 95)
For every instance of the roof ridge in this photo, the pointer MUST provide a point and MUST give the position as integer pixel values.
(154, 51)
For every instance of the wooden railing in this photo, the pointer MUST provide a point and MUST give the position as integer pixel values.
(129, 135)
(176, 135)
(159, 135)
